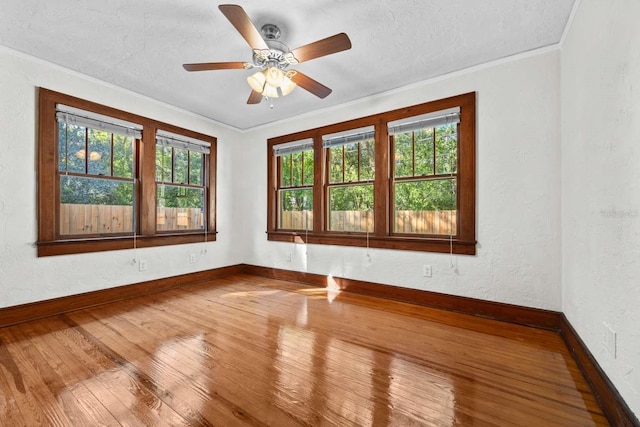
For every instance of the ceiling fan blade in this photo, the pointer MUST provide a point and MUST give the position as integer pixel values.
(206, 66)
(333, 44)
(313, 86)
(240, 20)
(254, 98)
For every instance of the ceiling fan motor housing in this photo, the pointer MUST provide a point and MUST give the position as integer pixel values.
(277, 55)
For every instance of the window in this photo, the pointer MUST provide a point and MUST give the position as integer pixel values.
(425, 165)
(180, 182)
(404, 179)
(96, 187)
(95, 173)
(295, 184)
(349, 184)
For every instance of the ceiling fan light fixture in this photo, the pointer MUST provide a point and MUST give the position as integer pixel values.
(274, 76)
(257, 81)
(287, 86)
(270, 91)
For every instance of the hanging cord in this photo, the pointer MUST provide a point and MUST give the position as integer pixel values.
(453, 197)
(206, 235)
(135, 223)
(306, 231)
(367, 253)
(206, 214)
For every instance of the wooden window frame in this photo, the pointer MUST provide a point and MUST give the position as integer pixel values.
(383, 237)
(49, 241)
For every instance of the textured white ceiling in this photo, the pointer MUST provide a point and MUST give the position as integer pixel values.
(141, 45)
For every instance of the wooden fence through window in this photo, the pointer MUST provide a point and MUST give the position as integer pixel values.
(106, 219)
(409, 222)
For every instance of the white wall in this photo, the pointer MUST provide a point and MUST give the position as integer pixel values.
(600, 72)
(518, 217)
(24, 277)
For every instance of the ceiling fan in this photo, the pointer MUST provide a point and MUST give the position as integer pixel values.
(272, 58)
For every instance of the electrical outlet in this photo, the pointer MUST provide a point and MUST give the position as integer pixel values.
(609, 339)
(192, 258)
(142, 265)
(426, 270)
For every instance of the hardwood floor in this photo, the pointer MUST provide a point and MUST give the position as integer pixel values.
(246, 350)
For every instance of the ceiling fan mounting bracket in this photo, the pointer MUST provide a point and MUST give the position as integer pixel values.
(270, 32)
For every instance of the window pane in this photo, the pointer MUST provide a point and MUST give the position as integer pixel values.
(163, 164)
(122, 156)
(297, 169)
(308, 168)
(295, 212)
(367, 160)
(424, 152)
(180, 165)
(99, 153)
(403, 154)
(351, 162)
(285, 170)
(179, 208)
(351, 208)
(446, 149)
(425, 207)
(95, 206)
(335, 164)
(71, 145)
(195, 168)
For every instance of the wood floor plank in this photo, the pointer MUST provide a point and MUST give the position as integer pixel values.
(245, 350)
(70, 386)
(160, 377)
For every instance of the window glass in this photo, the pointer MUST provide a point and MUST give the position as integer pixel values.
(349, 204)
(403, 154)
(351, 208)
(423, 204)
(163, 163)
(424, 152)
(446, 147)
(98, 153)
(295, 192)
(95, 206)
(122, 156)
(180, 192)
(90, 202)
(425, 207)
(296, 207)
(179, 208)
(71, 147)
(180, 165)
(367, 160)
(335, 165)
(195, 168)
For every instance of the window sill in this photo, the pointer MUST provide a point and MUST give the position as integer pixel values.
(443, 245)
(78, 246)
